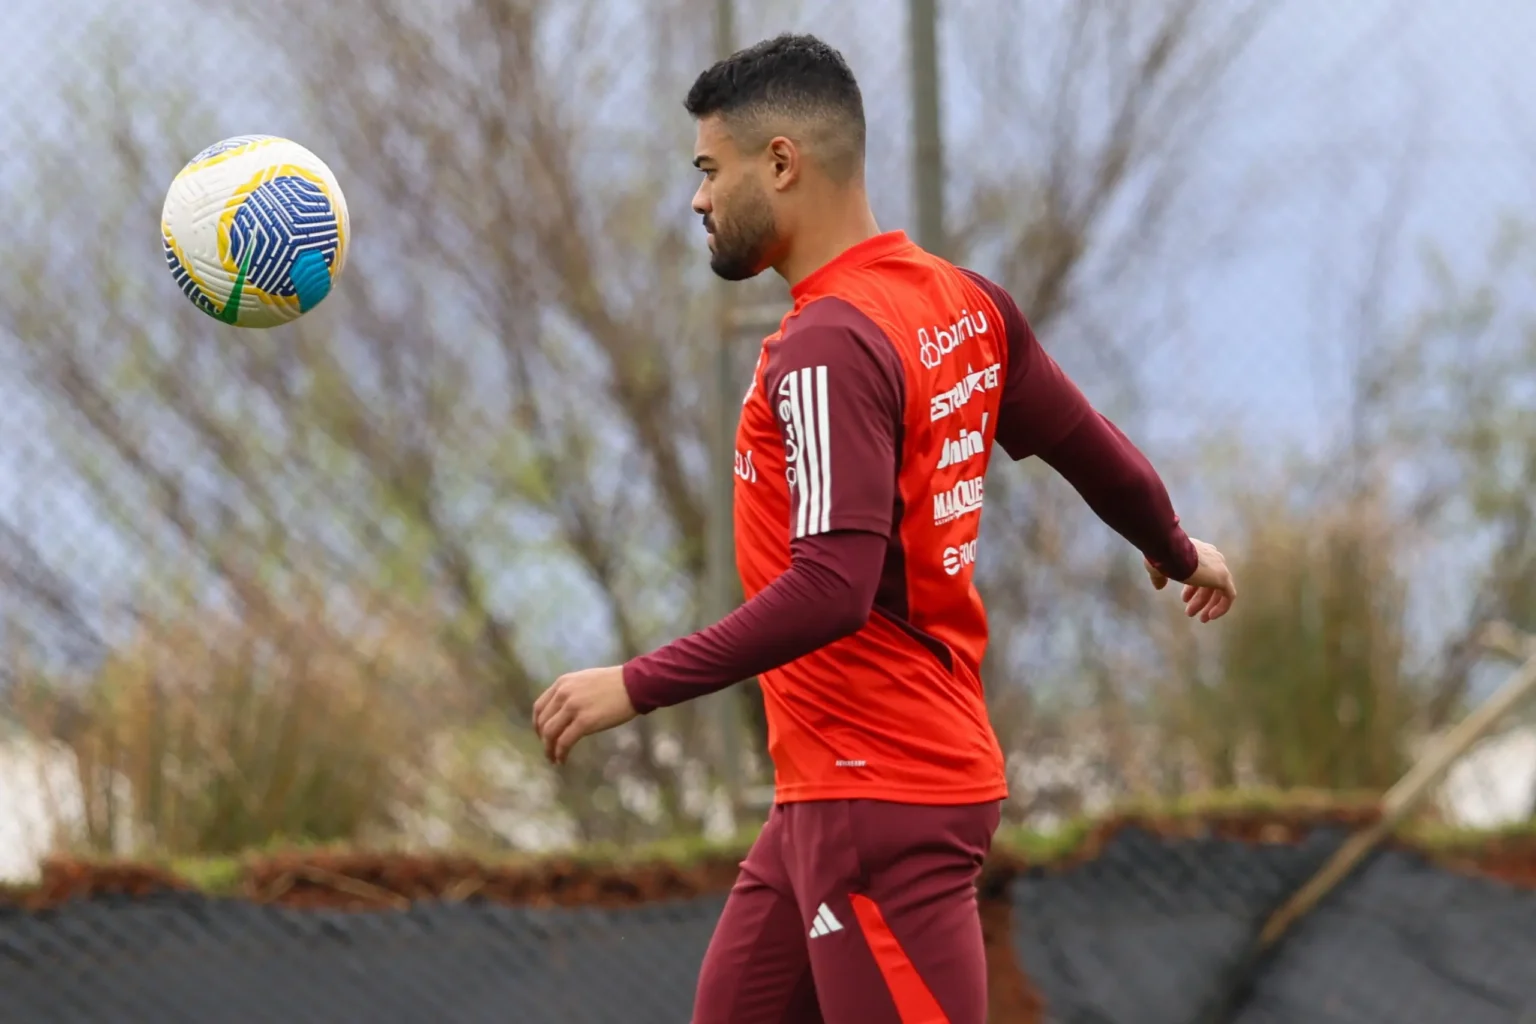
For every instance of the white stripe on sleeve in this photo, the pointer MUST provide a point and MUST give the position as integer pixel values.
(825, 444)
(805, 392)
(810, 470)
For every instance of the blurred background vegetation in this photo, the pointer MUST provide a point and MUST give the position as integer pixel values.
(304, 585)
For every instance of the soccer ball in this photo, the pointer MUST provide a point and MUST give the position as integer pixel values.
(255, 230)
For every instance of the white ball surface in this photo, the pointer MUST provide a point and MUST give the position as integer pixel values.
(255, 230)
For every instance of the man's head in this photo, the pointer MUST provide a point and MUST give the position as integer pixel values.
(777, 124)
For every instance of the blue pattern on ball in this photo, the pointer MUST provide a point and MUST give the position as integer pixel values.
(283, 219)
(188, 286)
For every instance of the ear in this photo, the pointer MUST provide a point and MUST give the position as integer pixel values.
(785, 161)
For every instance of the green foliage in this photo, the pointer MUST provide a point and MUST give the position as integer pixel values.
(211, 736)
(1311, 686)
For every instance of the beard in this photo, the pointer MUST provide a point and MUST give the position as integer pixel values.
(743, 239)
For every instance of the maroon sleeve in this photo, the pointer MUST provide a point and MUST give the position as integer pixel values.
(836, 386)
(825, 595)
(1040, 404)
(1123, 489)
(1043, 413)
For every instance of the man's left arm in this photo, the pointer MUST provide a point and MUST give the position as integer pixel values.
(1044, 414)
(839, 413)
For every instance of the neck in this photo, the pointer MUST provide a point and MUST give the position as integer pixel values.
(826, 233)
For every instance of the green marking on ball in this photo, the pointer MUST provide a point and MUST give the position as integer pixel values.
(231, 312)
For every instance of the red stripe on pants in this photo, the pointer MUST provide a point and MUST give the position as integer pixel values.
(915, 1003)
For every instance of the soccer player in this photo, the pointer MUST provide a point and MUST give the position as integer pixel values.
(861, 453)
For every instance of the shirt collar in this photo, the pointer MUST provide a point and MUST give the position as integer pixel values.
(887, 243)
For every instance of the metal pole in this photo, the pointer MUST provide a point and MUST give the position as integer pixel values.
(927, 136)
(725, 28)
(720, 580)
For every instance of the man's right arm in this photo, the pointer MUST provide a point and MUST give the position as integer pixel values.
(1043, 413)
(836, 394)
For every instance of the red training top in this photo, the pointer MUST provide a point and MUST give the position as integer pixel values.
(867, 431)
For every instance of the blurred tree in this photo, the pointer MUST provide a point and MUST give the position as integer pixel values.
(499, 417)
(1466, 425)
(1313, 690)
(215, 733)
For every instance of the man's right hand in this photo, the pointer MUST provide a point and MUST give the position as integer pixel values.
(1209, 593)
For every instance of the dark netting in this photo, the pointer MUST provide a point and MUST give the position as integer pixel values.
(1149, 931)
(183, 959)
(1152, 930)
(1155, 930)
(1405, 941)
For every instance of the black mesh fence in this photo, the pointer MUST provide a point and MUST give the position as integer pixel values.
(186, 959)
(1406, 941)
(1153, 930)
(1146, 932)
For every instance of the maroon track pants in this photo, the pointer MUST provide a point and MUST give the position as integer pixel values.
(854, 912)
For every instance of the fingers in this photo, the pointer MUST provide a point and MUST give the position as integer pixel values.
(1229, 594)
(546, 703)
(1209, 603)
(554, 728)
(1159, 581)
(567, 738)
(553, 714)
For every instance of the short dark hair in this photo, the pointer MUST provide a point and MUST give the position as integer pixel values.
(787, 78)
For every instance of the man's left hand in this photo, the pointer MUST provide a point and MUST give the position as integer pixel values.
(1209, 593)
(580, 704)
